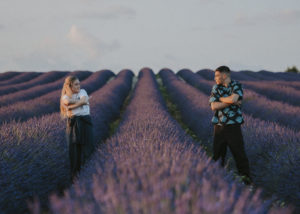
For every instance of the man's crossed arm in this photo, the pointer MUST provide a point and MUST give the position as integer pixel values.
(225, 102)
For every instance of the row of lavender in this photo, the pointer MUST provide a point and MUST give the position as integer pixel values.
(39, 80)
(254, 104)
(34, 154)
(9, 75)
(20, 78)
(49, 102)
(273, 150)
(151, 166)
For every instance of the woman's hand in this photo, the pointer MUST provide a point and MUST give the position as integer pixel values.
(88, 99)
(66, 107)
(83, 101)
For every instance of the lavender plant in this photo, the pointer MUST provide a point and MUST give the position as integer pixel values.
(8, 75)
(206, 74)
(23, 77)
(151, 166)
(286, 76)
(40, 80)
(261, 75)
(276, 92)
(240, 75)
(294, 84)
(259, 106)
(34, 154)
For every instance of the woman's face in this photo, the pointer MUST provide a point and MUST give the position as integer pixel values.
(75, 86)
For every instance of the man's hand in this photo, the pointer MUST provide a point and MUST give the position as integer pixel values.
(238, 103)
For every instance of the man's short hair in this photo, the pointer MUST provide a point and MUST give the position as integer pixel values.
(224, 69)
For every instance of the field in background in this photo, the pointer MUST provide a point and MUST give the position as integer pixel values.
(153, 144)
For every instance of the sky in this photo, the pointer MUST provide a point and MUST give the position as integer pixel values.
(45, 35)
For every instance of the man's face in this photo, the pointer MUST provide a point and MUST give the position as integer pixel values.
(220, 77)
(75, 86)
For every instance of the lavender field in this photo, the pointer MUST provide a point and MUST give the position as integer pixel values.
(152, 144)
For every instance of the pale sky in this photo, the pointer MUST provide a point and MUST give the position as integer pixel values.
(44, 35)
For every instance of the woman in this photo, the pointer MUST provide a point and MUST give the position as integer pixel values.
(74, 105)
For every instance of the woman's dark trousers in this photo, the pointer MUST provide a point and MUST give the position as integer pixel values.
(80, 142)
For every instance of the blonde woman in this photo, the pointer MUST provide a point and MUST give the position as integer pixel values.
(74, 105)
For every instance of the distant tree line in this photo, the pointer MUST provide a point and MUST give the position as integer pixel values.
(292, 69)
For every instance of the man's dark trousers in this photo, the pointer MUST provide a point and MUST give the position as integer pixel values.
(231, 136)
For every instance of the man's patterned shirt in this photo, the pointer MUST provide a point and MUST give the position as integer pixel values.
(231, 114)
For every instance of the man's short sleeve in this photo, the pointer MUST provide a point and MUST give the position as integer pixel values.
(83, 93)
(213, 95)
(238, 89)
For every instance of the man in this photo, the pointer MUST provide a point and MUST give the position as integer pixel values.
(226, 98)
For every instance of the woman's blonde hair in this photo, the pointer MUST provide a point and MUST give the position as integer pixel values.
(66, 90)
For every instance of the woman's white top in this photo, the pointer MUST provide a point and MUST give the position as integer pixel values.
(81, 110)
